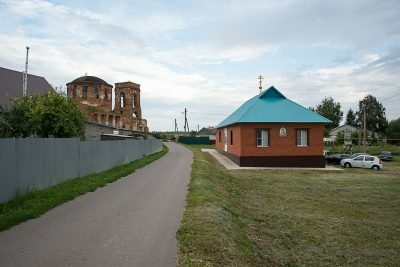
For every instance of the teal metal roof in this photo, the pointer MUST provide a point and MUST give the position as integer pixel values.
(272, 106)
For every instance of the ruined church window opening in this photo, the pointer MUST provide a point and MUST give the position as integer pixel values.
(96, 92)
(122, 100)
(105, 94)
(84, 92)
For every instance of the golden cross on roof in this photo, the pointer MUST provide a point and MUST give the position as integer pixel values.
(260, 78)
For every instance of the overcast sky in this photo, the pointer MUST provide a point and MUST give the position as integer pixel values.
(206, 55)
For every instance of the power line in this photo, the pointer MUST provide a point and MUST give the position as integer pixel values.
(390, 97)
(212, 114)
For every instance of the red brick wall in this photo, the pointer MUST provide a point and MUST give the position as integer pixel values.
(244, 142)
(99, 105)
(219, 144)
(235, 147)
(282, 146)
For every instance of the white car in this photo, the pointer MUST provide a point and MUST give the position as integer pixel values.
(362, 161)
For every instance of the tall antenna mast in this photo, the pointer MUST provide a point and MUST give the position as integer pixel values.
(25, 77)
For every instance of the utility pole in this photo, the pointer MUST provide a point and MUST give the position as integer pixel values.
(186, 126)
(25, 76)
(365, 128)
(176, 126)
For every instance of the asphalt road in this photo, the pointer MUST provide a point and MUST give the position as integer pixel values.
(131, 222)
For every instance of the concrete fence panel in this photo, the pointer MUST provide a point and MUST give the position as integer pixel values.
(35, 163)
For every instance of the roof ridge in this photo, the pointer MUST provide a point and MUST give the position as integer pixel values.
(255, 102)
(273, 89)
(308, 110)
(343, 126)
(21, 72)
(277, 108)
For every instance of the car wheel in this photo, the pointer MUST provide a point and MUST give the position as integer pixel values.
(375, 167)
(347, 165)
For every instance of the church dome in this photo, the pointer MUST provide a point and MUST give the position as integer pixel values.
(89, 80)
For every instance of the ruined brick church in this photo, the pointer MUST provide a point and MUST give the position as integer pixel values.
(94, 96)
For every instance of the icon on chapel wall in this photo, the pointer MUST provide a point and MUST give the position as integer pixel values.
(282, 132)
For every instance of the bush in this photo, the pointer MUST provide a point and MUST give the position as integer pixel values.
(52, 114)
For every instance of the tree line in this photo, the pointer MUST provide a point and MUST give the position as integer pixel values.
(50, 115)
(375, 114)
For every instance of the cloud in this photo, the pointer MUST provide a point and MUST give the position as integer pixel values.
(337, 23)
(205, 55)
(209, 54)
(347, 83)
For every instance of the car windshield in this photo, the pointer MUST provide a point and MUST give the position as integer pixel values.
(386, 153)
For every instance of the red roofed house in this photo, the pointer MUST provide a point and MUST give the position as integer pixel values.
(270, 130)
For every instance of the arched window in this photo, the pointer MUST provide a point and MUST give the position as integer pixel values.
(122, 100)
(96, 92)
(105, 94)
(84, 92)
(74, 92)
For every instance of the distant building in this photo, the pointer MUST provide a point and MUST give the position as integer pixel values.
(11, 85)
(270, 130)
(343, 128)
(208, 131)
(94, 96)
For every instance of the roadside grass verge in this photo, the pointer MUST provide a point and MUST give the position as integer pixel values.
(290, 217)
(34, 204)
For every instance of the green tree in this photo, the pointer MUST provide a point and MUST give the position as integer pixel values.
(52, 114)
(330, 110)
(351, 118)
(158, 135)
(58, 116)
(3, 123)
(340, 138)
(375, 114)
(18, 121)
(393, 130)
(326, 132)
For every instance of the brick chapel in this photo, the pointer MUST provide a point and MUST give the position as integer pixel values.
(94, 96)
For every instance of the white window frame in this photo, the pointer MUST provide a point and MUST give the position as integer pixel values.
(264, 137)
(303, 138)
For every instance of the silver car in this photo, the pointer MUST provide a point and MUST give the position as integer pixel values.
(362, 161)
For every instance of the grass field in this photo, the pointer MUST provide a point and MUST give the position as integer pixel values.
(290, 217)
(33, 204)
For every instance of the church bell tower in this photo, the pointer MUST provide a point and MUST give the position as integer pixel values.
(127, 104)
